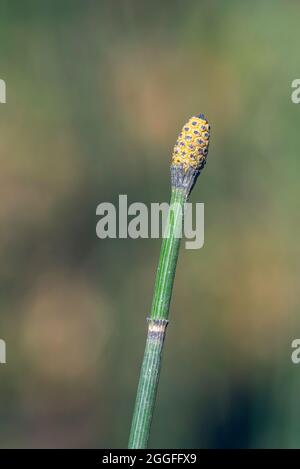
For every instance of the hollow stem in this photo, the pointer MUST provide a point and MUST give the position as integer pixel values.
(157, 323)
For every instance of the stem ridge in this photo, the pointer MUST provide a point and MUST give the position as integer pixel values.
(147, 388)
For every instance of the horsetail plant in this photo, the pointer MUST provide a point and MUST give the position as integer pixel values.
(188, 159)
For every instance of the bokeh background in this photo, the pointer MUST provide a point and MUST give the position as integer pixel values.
(96, 95)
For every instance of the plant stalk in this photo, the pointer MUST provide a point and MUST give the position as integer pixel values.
(188, 159)
(157, 323)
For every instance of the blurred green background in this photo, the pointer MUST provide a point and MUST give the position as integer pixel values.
(96, 95)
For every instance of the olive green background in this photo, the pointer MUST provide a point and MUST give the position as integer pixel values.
(96, 94)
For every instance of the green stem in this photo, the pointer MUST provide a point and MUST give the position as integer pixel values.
(149, 375)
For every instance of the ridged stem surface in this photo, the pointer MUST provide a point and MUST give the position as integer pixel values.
(157, 323)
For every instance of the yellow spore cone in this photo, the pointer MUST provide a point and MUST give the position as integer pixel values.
(191, 148)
